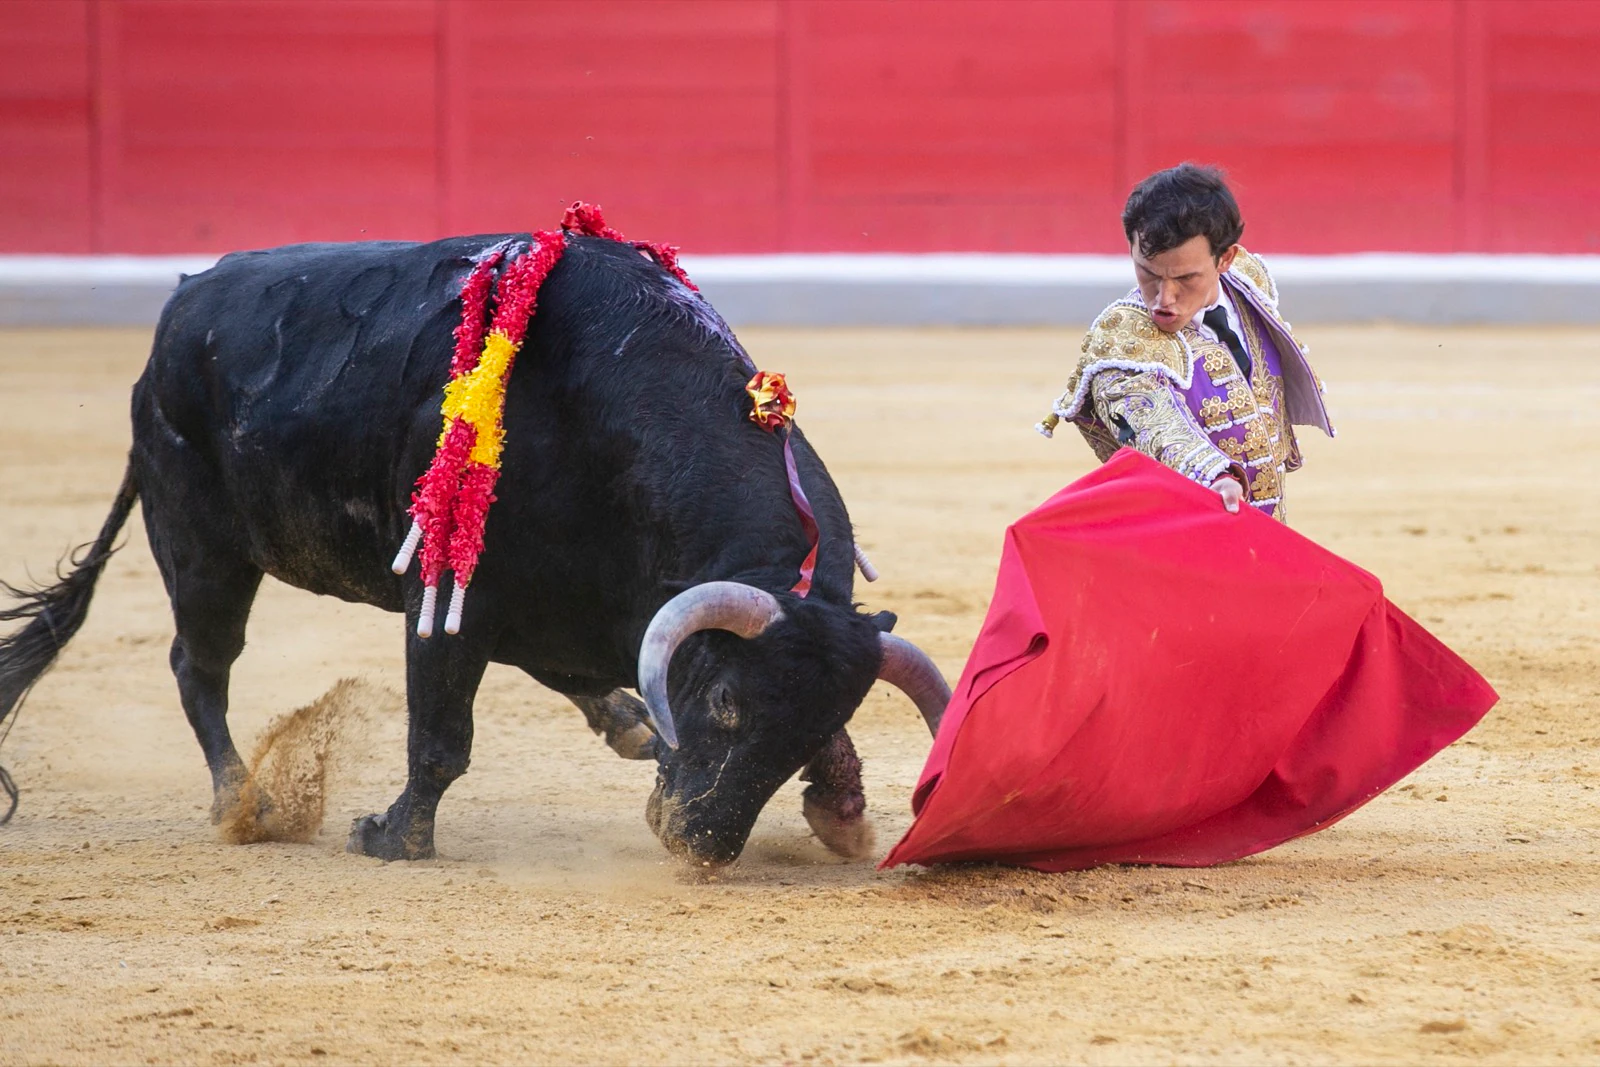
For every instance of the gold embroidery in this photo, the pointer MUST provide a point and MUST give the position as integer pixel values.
(1254, 345)
(1214, 413)
(1269, 443)
(1162, 425)
(1233, 448)
(1218, 362)
(1099, 438)
(1257, 442)
(1266, 484)
(1241, 399)
(1265, 389)
(1252, 269)
(1125, 334)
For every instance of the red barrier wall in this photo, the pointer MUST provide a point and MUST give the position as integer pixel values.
(769, 125)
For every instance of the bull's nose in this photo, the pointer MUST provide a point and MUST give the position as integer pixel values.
(674, 826)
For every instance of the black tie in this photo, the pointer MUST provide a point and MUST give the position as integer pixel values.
(1217, 319)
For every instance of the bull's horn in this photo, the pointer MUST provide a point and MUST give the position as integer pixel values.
(732, 606)
(908, 668)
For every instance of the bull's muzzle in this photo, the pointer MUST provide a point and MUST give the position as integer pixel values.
(672, 823)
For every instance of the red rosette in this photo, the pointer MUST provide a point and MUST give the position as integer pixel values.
(771, 403)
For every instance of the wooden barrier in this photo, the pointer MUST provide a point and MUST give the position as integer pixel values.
(164, 126)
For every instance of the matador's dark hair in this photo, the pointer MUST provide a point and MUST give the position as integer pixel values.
(1181, 203)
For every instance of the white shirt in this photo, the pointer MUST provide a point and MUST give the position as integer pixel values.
(1225, 301)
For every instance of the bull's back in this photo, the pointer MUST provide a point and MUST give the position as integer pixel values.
(300, 381)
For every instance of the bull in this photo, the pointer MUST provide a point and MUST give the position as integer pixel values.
(644, 535)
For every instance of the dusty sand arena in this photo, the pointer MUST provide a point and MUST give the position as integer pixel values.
(1456, 918)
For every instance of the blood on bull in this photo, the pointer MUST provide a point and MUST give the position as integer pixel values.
(644, 530)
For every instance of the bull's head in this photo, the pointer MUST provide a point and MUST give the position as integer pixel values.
(757, 686)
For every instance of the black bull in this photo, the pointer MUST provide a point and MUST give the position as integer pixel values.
(290, 402)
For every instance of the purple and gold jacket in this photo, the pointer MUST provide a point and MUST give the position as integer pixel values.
(1182, 399)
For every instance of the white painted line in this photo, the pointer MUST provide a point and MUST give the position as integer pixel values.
(973, 268)
(1009, 269)
(44, 270)
(1409, 267)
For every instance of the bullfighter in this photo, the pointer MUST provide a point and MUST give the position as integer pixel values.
(1195, 367)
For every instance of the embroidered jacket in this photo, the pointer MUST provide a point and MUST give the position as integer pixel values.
(1182, 399)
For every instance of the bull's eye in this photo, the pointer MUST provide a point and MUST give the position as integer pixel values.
(723, 711)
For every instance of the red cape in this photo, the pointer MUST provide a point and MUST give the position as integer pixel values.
(1159, 681)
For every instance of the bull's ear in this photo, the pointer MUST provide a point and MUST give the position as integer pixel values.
(884, 621)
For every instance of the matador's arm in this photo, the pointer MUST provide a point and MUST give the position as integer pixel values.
(1143, 411)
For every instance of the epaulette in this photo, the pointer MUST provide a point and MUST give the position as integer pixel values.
(1250, 267)
(1124, 337)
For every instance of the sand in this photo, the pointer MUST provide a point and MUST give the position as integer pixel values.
(1456, 918)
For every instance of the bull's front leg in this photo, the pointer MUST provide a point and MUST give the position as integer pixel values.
(835, 806)
(442, 676)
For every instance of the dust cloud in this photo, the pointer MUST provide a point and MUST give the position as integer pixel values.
(286, 795)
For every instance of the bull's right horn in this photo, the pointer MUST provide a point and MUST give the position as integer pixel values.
(908, 668)
(732, 606)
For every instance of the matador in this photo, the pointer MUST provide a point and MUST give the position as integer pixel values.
(1195, 367)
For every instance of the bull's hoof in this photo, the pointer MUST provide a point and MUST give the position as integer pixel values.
(245, 815)
(636, 742)
(840, 822)
(233, 788)
(370, 835)
(224, 803)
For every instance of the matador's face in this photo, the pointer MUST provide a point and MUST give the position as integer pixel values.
(1179, 282)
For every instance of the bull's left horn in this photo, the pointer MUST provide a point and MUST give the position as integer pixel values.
(732, 606)
(908, 668)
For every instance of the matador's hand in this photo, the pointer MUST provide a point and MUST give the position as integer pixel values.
(1231, 491)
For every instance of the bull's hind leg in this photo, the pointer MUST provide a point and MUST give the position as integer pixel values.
(211, 598)
(195, 544)
(442, 676)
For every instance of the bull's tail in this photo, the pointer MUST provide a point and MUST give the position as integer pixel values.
(52, 614)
